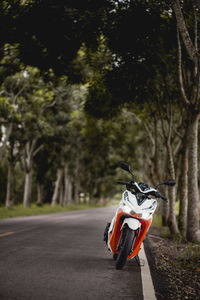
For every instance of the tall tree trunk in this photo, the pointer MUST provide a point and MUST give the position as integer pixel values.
(193, 233)
(165, 208)
(76, 192)
(164, 190)
(77, 183)
(57, 185)
(40, 194)
(67, 187)
(6, 138)
(10, 185)
(156, 160)
(182, 224)
(61, 195)
(70, 199)
(172, 194)
(192, 106)
(29, 153)
(27, 188)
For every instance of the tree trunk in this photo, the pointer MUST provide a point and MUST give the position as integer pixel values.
(57, 185)
(10, 185)
(6, 138)
(70, 199)
(67, 188)
(61, 195)
(77, 183)
(190, 47)
(165, 208)
(76, 192)
(172, 194)
(27, 188)
(182, 224)
(156, 153)
(30, 152)
(39, 194)
(192, 106)
(193, 233)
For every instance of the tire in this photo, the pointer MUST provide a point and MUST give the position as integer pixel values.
(125, 250)
(115, 255)
(106, 233)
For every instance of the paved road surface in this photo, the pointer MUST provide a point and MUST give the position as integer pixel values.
(62, 256)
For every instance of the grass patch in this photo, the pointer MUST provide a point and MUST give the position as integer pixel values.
(19, 210)
(190, 257)
(157, 220)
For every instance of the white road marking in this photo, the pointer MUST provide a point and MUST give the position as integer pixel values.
(147, 283)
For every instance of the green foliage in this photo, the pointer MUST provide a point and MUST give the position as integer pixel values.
(142, 40)
(9, 61)
(48, 34)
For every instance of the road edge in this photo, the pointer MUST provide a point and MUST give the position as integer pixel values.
(147, 281)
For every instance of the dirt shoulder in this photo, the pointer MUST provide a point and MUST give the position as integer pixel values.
(175, 266)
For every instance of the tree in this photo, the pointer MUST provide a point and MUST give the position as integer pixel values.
(26, 97)
(142, 73)
(48, 34)
(189, 91)
(11, 91)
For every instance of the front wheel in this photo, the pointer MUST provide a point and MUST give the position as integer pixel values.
(128, 237)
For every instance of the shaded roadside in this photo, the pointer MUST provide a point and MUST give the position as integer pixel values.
(175, 267)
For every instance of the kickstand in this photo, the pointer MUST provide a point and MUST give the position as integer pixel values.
(140, 262)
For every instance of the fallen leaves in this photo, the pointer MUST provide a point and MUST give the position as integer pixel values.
(178, 264)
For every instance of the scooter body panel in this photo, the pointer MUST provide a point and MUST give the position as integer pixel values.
(132, 223)
(137, 217)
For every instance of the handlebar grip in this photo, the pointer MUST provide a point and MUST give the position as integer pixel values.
(158, 195)
(122, 182)
(163, 197)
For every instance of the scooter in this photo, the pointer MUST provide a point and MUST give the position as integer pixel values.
(133, 217)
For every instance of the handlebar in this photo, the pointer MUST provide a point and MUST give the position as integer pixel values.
(130, 184)
(123, 182)
(158, 195)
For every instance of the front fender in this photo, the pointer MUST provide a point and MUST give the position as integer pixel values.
(132, 223)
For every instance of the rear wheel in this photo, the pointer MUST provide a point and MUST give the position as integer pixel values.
(125, 248)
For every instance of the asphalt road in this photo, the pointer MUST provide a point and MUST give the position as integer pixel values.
(62, 256)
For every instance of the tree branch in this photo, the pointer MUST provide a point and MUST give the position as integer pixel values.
(37, 150)
(191, 50)
(197, 66)
(180, 75)
(19, 92)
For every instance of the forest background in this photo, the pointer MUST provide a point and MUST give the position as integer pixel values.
(87, 84)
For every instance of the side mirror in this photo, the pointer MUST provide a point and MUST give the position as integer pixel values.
(125, 166)
(170, 182)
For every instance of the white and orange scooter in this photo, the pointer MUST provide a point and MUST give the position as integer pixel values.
(126, 232)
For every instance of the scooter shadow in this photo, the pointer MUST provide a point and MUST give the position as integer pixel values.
(100, 264)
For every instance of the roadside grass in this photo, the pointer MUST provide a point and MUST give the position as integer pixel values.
(19, 210)
(157, 222)
(190, 257)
